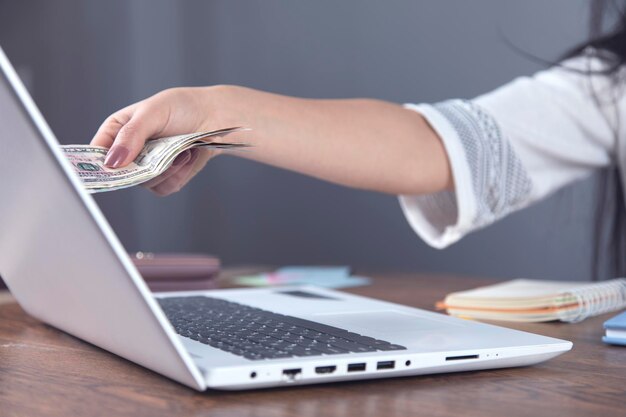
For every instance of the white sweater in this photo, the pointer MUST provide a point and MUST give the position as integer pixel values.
(518, 144)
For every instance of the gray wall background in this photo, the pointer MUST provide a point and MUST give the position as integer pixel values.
(84, 59)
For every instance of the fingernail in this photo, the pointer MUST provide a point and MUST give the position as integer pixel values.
(116, 156)
(183, 158)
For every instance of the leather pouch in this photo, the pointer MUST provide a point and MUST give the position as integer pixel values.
(177, 271)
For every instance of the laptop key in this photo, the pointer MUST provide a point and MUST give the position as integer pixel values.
(350, 346)
(331, 350)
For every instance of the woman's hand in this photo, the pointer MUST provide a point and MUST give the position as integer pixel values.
(171, 112)
(361, 143)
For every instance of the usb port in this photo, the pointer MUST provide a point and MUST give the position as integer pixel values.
(325, 369)
(386, 365)
(460, 358)
(356, 367)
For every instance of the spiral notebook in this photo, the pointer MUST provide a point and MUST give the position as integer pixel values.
(536, 300)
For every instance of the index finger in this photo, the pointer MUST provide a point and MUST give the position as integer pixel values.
(108, 130)
(127, 139)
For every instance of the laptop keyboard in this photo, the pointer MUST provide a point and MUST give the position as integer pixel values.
(260, 334)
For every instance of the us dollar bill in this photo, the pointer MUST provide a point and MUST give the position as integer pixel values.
(154, 159)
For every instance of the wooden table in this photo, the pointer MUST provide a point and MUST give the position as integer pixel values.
(46, 372)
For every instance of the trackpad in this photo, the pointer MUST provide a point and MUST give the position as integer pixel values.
(392, 322)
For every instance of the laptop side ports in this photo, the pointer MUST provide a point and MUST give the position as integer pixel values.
(325, 369)
(291, 375)
(460, 358)
(356, 367)
(385, 365)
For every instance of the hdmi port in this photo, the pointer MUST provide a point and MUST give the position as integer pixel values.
(325, 369)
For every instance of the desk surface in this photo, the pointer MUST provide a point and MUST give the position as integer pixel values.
(46, 372)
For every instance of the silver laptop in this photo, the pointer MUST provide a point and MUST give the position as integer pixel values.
(66, 267)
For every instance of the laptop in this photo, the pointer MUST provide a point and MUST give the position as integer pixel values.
(65, 266)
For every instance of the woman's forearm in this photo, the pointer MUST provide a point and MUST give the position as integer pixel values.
(360, 143)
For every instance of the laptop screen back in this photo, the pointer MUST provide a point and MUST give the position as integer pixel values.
(58, 255)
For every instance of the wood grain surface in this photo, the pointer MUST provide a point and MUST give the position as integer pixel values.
(45, 372)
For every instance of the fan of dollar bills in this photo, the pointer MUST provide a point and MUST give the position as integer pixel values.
(154, 159)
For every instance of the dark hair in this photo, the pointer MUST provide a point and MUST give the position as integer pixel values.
(608, 42)
(607, 32)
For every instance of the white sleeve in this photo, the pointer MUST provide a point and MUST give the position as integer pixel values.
(514, 146)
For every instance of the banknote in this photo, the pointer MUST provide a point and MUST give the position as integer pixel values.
(154, 159)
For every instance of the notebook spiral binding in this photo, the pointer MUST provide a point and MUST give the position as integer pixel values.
(596, 299)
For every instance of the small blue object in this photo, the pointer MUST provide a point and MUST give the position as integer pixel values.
(321, 276)
(616, 330)
(332, 272)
